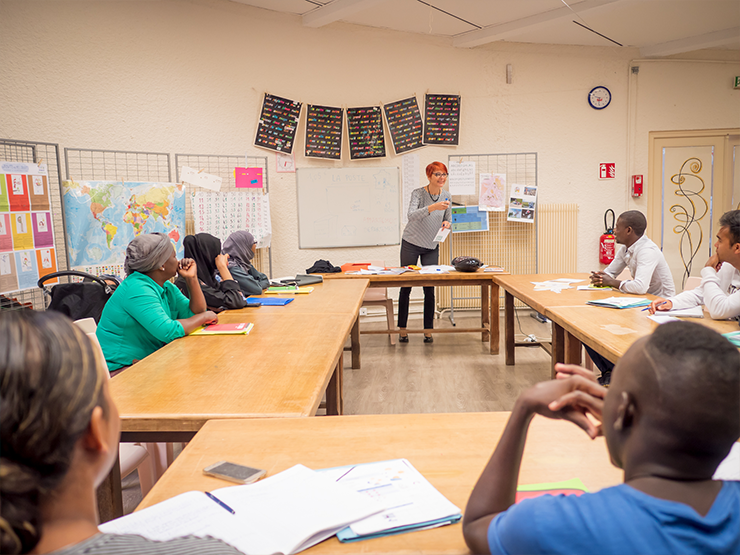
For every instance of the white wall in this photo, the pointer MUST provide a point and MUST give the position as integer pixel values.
(188, 76)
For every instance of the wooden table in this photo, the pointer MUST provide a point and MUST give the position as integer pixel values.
(489, 329)
(449, 449)
(522, 288)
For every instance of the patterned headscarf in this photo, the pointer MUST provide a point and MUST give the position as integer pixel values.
(147, 252)
(239, 248)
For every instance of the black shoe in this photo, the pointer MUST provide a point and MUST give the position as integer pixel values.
(403, 338)
(429, 339)
(605, 378)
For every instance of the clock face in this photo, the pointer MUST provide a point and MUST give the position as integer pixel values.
(599, 98)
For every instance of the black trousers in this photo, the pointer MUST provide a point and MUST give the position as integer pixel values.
(603, 364)
(410, 253)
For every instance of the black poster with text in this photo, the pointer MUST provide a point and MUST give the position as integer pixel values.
(278, 124)
(323, 132)
(365, 128)
(404, 122)
(441, 119)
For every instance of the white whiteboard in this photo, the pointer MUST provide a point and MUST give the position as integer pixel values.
(347, 207)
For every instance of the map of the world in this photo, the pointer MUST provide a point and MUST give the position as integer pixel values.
(102, 217)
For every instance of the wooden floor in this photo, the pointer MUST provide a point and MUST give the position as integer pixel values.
(454, 374)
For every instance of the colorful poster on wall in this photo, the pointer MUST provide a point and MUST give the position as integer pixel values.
(468, 218)
(46, 262)
(38, 190)
(441, 119)
(492, 195)
(8, 275)
(323, 132)
(248, 178)
(404, 122)
(522, 203)
(25, 263)
(41, 229)
(18, 192)
(6, 236)
(365, 129)
(102, 217)
(278, 123)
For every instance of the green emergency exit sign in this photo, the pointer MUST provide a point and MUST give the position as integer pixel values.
(737, 81)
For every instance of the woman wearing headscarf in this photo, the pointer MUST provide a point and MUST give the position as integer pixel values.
(205, 249)
(147, 311)
(240, 248)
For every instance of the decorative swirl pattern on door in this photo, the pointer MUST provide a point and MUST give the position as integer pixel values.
(690, 186)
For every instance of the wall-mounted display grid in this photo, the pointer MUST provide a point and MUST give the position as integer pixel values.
(405, 125)
(223, 166)
(441, 119)
(278, 123)
(323, 132)
(40, 227)
(365, 128)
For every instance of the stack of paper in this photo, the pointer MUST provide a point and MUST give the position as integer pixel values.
(620, 302)
(408, 501)
(224, 329)
(289, 289)
(286, 513)
(554, 285)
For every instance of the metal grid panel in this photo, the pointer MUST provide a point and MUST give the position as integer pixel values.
(223, 167)
(118, 165)
(39, 153)
(512, 245)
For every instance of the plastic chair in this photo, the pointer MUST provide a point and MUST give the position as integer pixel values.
(151, 459)
(378, 296)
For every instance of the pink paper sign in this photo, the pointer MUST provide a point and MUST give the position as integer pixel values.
(248, 178)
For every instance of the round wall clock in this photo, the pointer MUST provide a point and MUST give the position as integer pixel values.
(599, 98)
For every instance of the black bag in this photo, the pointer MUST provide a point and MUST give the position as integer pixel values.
(323, 267)
(79, 300)
(466, 264)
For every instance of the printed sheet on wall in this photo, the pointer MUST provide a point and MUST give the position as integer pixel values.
(221, 214)
(324, 132)
(278, 123)
(27, 250)
(441, 119)
(522, 203)
(365, 130)
(404, 122)
(102, 217)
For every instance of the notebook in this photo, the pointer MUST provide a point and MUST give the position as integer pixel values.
(269, 301)
(288, 289)
(224, 329)
(620, 302)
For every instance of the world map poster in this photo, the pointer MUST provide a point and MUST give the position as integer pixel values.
(102, 217)
(441, 119)
(27, 249)
(365, 128)
(278, 123)
(323, 132)
(404, 122)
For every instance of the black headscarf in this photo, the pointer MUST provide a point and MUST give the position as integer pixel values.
(203, 248)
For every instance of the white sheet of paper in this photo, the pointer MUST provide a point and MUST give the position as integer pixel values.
(693, 312)
(202, 179)
(462, 178)
(441, 235)
(435, 269)
(662, 319)
(729, 468)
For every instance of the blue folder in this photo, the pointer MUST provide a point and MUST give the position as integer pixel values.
(269, 301)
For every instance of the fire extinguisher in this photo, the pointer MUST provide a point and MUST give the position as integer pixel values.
(607, 242)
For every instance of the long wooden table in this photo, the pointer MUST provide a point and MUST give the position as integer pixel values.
(489, 329)
(449, 449)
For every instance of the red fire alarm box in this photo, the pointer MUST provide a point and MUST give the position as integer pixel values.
(636, 185)
(607, 171)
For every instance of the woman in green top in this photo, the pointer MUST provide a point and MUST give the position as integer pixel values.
(147, 311)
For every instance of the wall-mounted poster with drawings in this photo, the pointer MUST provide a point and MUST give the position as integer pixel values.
(365, 128)
(278, 123)
(404, 122)
(323, 132)
(522, 203)
(441, 119)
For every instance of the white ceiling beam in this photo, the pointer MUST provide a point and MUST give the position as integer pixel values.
(336, 10)
(504, 30)
(707, 40)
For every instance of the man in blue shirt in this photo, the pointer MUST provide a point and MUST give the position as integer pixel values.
(670, 417)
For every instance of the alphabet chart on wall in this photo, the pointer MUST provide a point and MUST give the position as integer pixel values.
(404, 123)
(278, 123)
(441, 119)
(27, 250)
(221, 214)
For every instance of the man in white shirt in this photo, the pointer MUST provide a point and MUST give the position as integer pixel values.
(720, 278)
(647, 265)
(650, 272)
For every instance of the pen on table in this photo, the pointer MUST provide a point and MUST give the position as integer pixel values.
(656, 306)
(217, 500)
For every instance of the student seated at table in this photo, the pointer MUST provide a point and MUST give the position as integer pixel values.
(670, 417)
(147, 311)
(205, 249)
(720, 277)
(60, 432)
(647, 265)
(240, 248)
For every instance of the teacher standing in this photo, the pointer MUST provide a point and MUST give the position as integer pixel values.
(429, 210)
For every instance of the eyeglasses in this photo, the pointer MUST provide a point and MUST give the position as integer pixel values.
(439, 174)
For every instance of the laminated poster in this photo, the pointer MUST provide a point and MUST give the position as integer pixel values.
(441, 119)
(522, 203)
(26, 225)
(405, 125)
(278, 123)
(248, 178)
(492, 192)
(366, 137)
(323, 132)
(466, 219)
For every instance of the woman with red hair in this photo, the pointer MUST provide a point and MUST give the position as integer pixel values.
(429, 210)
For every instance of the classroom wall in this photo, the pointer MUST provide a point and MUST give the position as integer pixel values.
(188, 76)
